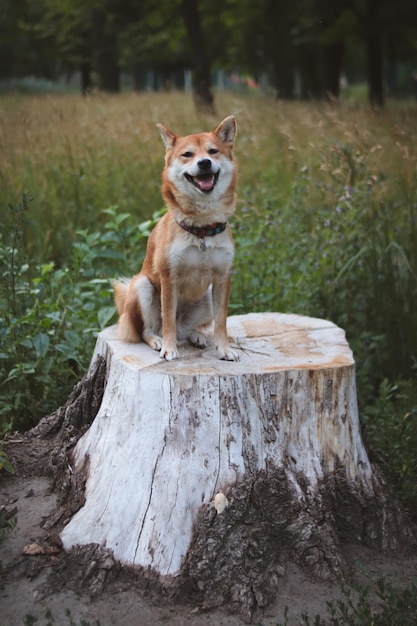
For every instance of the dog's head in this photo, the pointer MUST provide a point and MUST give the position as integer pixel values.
(201, 165)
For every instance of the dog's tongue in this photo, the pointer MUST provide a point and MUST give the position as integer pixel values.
(205, 183)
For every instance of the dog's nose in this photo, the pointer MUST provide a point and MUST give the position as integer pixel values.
(204, 164)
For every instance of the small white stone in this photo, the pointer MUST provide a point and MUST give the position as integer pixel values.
(220, 502)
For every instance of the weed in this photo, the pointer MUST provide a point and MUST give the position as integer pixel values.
(50, 316)
(393, 605)
(5, 463)
(390, 423)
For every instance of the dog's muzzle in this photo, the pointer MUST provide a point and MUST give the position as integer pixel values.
(207, 179)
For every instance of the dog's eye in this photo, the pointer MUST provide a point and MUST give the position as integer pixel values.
(187, 154)
(212, 151)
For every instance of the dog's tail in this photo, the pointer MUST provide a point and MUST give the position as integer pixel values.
(120, 288)
(130, 326)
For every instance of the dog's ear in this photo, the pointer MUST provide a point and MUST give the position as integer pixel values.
(168, 137)
(226, 130)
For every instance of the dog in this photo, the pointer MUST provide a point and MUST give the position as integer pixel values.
(184, 284)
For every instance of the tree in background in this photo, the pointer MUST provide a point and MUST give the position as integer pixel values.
(69, 24)
(24, 50)
(326, 25)
(299, 47)
(203, 95)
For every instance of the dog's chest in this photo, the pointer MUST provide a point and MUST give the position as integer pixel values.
(201, 259)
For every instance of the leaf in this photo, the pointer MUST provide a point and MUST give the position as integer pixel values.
(109, 254)
(104, 315)
(41, 343)
(72, 338)
(5, 463)
(27, 343)
(23, 369)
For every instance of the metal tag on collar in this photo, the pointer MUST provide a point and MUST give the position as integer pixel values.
(203, 246)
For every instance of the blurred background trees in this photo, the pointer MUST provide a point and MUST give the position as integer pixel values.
(293, 48)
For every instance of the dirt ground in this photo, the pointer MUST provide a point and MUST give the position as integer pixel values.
(32, 585)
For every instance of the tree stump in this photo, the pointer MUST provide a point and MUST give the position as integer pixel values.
(214, 474)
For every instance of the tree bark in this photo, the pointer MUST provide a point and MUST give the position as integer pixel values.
(374, 55)
(106, 53)
(203, 95)
(214, 474)
(332, 63)
(86, 78)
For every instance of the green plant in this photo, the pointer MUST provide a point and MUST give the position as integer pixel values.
(50, 316)
(390, 423)
(393, 605)
(4, 461)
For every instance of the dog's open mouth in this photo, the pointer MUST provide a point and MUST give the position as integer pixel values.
(203, 182)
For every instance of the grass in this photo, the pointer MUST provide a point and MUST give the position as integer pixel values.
(76, 156)
(386, 604)
(326, 225)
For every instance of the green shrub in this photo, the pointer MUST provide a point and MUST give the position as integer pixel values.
(50, 316)
(390, 423)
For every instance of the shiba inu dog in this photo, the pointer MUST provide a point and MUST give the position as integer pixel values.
(184, 283)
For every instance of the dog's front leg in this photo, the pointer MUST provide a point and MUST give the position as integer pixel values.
(221, 293)
(169, 299)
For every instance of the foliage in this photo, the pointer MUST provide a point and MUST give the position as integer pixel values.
(342, 249)
(390, 424)
(395, 605)
(54, 38)
(4, 461)
(382, 604)
(49, 316)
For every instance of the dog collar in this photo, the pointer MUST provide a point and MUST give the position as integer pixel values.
(204, 231)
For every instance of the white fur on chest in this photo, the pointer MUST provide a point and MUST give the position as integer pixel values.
(195, 268)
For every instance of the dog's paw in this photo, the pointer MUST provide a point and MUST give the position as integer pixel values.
(154, 342)
(198, 339)
(227, 354)
(169, 354)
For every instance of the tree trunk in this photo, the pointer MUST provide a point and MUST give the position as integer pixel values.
(86, 79)
(203, 95)
(106, 53)
(214, 474)
(374, 59)
(85, 64)
(374, 55)
(333, 55)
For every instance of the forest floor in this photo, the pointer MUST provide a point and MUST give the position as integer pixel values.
(35, 586)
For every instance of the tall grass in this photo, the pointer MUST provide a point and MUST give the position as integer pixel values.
(75, 156)
(326, 225)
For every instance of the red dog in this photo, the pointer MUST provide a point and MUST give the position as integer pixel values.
(184, 283)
